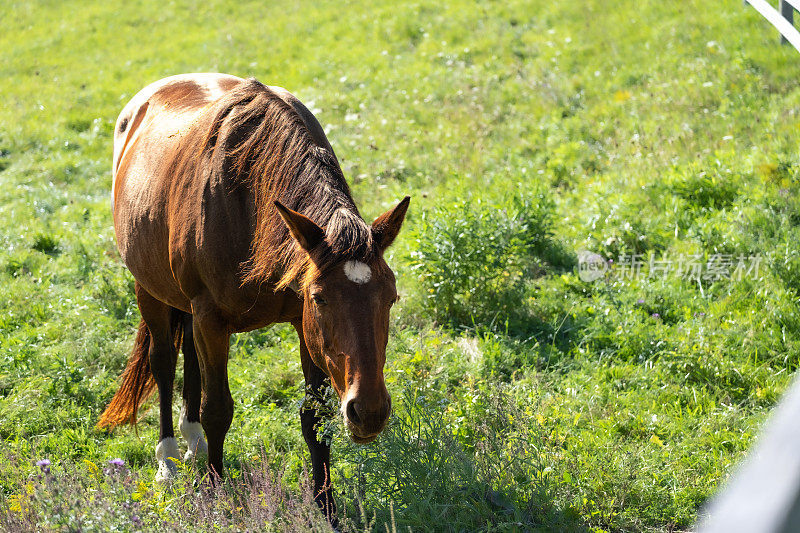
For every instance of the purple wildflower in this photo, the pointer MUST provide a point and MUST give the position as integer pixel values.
(116, 462)
(655, 315)
(44, 464)
(639, 301)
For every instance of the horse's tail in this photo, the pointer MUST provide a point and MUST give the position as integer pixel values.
(137, 384)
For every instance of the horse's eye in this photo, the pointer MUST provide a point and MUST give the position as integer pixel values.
(319, 300)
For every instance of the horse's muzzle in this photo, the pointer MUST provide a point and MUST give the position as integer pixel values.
(366, 421)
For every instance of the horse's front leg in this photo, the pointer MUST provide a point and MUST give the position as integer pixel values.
(211, 337)
(310, 419)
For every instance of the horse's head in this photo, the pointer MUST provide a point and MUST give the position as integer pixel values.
(346, 318)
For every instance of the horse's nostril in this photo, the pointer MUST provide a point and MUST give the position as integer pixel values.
(352, 413)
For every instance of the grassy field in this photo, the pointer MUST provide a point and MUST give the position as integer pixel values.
(525, 398)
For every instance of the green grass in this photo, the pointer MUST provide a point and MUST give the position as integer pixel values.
(525, 398)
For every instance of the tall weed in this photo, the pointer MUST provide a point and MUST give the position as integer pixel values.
(476, 260)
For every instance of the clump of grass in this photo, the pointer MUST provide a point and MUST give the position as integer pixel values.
(45, 243)
(475, 260)
(703, 191)
(489, 474)
(569, 162)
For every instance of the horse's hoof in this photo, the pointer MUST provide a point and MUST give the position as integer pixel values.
(167, 472)
(200, 452)
(195, 438)
(167, 454)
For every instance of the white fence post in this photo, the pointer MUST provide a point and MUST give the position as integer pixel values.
(787, 12)
(782, 18)
(763, 495)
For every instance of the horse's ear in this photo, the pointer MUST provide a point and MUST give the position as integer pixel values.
(387, 226)
(307, 234)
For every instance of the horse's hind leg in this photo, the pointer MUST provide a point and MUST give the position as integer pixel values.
(163, 322)
(189, 423)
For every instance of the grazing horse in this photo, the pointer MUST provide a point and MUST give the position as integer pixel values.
(232, 213)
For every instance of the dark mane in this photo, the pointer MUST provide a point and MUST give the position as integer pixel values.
(262, 143)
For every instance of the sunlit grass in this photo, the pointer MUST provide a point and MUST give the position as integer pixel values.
(524, 397)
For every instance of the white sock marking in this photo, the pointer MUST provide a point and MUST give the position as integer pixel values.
(357, 272)
(167, 453)
(195, 437)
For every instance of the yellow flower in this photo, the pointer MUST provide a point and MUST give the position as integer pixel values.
(622, 96)
(655, 440)
(141, 490)
(15, 503)
(93, 469)
(767, 170)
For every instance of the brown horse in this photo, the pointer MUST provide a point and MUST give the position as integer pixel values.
(232, 213)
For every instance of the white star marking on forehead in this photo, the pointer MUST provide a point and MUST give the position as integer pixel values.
(357, 272)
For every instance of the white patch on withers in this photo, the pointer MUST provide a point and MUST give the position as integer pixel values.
(195, 437)
(357, 272)
(167, 453)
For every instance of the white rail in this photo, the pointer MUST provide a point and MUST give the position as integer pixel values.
(763, 496)
(782, 20)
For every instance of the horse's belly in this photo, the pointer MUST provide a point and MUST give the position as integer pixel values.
(142, 240)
